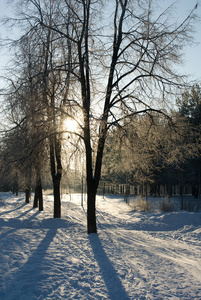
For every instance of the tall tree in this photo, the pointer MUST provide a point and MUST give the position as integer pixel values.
(50, 91)
(135, 58)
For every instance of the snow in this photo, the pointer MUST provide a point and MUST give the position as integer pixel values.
(135, 255)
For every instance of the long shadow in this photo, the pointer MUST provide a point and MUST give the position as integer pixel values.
(14, 209)
(18, 204)
(24, 213)
(29, 276)
(36, 212)
(17, 222)
(113, 283)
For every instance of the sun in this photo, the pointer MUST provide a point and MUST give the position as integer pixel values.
(70, 125)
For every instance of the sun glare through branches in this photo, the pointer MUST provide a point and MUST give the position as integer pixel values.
(70, 126)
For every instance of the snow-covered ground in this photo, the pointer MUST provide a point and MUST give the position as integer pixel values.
(135, 255)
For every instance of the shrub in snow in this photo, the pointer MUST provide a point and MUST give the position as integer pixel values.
(166, 205)
(192, 205)
(142, 204)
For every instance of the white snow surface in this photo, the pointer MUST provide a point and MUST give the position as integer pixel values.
(134, 255)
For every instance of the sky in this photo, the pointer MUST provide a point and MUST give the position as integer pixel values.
(192, 56)
(192, 60)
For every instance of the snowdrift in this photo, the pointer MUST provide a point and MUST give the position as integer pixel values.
(135, 255)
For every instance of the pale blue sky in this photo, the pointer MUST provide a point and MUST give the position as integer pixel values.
(192, 62)
(192, 56)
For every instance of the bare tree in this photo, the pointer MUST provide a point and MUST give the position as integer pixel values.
(48, 89)
(135, 58)
(25, 115)
(147, 145)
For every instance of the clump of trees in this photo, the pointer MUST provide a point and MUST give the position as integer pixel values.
(189, 108)
(74, 60)
(151, 149)
(189, 105)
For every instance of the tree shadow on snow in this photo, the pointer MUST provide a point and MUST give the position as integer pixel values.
(19, 222)
(16, 207)
(109, 274)
(28, 279)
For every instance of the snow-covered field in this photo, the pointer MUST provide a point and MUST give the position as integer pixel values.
(135, 255)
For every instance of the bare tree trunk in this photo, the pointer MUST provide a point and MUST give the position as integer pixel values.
(35, 203)
(91, 186)
(56, 173)
(38, 197)
(57, 198)
(91, 212)
(28, 185)
(27, 194)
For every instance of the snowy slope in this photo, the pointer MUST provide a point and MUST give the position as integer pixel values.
(135, 255)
